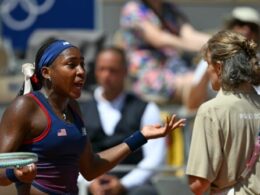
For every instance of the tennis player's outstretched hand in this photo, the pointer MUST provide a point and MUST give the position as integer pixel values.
(27, 173)
(155, 131)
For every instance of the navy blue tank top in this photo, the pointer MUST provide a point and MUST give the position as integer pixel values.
(59, 148)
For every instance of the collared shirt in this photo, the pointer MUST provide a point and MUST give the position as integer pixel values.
(154, 150)
(223, 139)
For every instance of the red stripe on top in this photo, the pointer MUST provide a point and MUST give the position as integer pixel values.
(45, 131)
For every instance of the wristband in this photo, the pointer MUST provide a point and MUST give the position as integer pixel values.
(135, 141)
(10, 175)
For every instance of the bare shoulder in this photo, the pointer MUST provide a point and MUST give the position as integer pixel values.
(21, 110)
(22, 104)
(16, 123)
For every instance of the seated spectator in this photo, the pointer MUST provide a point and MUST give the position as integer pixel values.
(154, 33)
(114, 114)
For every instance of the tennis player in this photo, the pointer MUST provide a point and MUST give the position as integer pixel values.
(47, 121)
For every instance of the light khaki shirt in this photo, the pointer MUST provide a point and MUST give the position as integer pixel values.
(223, 139)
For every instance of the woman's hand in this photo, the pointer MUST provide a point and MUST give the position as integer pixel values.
(155, 131)
(26, 174)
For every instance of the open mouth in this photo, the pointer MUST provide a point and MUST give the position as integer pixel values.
(79, 85)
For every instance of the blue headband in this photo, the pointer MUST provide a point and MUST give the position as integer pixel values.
(52, 52)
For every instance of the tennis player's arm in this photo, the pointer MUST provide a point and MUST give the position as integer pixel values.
(3, 180)
(93, 165)
(15, 124)
(13, 128)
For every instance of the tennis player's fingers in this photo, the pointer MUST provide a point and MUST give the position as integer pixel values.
(26, 173)
(173, 123)
(27, 169)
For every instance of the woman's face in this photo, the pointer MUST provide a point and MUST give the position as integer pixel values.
(67, 73)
